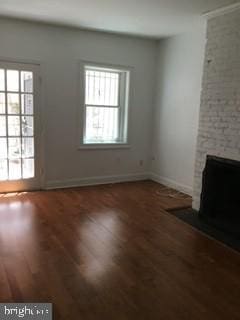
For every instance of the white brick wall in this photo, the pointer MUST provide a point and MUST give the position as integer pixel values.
(219, 124)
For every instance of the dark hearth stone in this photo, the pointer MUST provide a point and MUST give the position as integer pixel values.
(192, 218)
(230, 226)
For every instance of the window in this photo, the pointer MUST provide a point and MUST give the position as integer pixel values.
(105, 105)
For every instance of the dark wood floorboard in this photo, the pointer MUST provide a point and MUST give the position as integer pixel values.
(112, 252)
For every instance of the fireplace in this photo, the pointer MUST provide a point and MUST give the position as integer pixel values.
(220, 197)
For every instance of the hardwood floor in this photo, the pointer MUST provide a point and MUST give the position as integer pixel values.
(113, 253)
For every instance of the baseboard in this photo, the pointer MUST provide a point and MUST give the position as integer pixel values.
(90, 181)
(171, 183)
(57, 184)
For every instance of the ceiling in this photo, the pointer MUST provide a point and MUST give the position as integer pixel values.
(150, 18)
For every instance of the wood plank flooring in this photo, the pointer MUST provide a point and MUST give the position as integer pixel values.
(112, 252)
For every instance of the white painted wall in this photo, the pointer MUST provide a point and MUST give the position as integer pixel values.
(179, 74)
(59, 51)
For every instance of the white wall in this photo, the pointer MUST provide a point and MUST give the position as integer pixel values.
(59, 51)
(179, 74)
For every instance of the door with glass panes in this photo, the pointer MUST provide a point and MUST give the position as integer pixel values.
(19, 127)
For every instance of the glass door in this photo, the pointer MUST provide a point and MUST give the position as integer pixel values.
(19, 126)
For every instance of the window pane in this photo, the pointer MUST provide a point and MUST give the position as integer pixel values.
(27, 104)
(3, 170)
(101, 88)
(28, 168)
(2, 80)
(101, 124)
(27, 126)
(14, 169)
(2, 126)
(27, 148)
(13, 103)
(12, 80)
(14, 148)
(3, 148)
(26, 81)
(14, 126)
(2, 103)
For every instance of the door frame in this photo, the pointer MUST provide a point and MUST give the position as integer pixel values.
(38, 181)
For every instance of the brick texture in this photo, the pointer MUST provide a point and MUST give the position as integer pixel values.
(219, 123)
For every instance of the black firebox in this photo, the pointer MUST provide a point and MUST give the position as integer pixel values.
(220, 197)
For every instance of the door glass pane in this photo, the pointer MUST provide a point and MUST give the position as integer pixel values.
(2, 103)
(14, 148)
(15, 169)
(27, 104)
(2, 126)
(13, 103)
(27, 148)
(13, 126)
(12, 80)
(3, 148)
(3, 169)
(2, 80)
(27, 126)
(16, 125)
(26, 81)
(28, 168)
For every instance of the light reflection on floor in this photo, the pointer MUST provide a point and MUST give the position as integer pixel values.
(99, 245)
(12, 194)
(16, 224)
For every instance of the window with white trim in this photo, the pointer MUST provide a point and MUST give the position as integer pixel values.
(105, 105)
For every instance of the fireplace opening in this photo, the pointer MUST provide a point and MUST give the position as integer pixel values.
(220, 197)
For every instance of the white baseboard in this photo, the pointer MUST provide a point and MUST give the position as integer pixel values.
(171, 183)
(57, 184)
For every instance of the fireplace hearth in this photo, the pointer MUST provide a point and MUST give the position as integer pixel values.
(220, 197)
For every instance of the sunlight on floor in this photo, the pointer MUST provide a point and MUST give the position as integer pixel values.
(12, 194)
(100, 245)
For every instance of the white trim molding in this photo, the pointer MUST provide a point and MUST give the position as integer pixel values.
(91, 181)
(172, 184)
(221, 11)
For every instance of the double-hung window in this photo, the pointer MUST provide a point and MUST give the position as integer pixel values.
(106, 92)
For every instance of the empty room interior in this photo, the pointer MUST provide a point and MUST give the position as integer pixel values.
(120, 159)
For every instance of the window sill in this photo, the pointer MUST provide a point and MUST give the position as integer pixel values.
(93, 146)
